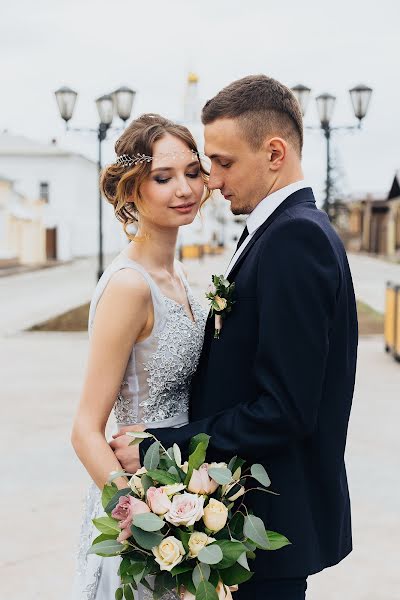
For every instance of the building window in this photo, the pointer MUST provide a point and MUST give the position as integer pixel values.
(44, 191)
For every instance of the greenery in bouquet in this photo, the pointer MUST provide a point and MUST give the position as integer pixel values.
(183, 526)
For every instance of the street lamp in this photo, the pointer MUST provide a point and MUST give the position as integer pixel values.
(120, 103)
(360, 97)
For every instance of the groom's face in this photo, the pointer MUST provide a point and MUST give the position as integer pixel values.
(241, 173)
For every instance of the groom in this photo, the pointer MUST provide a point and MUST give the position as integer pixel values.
(277, 386)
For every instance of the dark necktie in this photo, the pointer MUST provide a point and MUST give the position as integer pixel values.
(244, 235)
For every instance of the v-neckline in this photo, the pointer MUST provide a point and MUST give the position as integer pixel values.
(192, 318)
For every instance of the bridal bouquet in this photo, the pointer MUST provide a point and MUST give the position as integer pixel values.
(183, 527)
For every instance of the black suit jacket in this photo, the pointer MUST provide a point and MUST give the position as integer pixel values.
(277, 387)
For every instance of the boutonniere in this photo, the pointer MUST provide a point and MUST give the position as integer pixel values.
(220, 295)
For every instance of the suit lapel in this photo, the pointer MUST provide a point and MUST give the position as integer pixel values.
(303, 195)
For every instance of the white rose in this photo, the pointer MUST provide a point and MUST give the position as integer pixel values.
(173, 488)
(215, 465)
(215, 515)
(169, 553)
(185, 466)
(186, 509)
(197, 541)
(135, 482)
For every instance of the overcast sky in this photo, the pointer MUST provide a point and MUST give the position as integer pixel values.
(95, 46)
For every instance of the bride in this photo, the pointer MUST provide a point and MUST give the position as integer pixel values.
(145, 327)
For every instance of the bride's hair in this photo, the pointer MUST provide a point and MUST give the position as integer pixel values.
(121, 184)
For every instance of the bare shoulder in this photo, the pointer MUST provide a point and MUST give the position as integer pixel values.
(127, 288)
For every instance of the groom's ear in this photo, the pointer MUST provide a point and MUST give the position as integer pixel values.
(276, 150)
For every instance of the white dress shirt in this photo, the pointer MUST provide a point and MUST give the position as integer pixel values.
(262, 211)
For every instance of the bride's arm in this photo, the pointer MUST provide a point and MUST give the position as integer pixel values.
(123, 314)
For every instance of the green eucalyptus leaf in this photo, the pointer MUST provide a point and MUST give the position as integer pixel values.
(242, 560)
(152, 456)
(196, 440)
(196, 459)
(147, 482)
(177, 454)
(254, 529)
(221, 475)
(230, 551)
(163, 477)
(119, 594)
(108, 492)
(200, 573)
(185, 579)
(236, 525)
(148, 522)
(128, 592)
(206, 591)
(277, 540)
(107, 525)
(140, 435)
(146, 539)
(107, 548)
(211, 554)
(260, 474)
(235, 575)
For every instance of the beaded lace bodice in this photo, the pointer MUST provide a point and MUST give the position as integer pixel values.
(158, 374)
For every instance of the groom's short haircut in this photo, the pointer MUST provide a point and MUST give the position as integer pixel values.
(263, 106)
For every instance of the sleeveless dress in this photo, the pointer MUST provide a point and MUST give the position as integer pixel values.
(154, 390)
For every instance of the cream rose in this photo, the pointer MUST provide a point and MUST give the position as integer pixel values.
(136, 483)
(215, 515)
(197, 541)
(186, 509)
(222, 302)
(169, 553)
(224, 592)
(173, 488)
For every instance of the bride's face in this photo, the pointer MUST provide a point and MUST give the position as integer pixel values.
(172, 192)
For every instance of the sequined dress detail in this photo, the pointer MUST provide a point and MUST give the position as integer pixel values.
(154, 390)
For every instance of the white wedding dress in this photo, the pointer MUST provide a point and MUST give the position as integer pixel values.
(154, 390)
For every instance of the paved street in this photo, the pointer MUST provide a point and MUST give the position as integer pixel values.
(370, 276)
(43, 483)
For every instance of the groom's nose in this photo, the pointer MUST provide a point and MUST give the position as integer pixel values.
(215, 182)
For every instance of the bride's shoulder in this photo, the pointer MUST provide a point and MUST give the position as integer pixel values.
(129, 282)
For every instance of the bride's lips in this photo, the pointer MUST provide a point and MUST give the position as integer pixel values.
(184, 208)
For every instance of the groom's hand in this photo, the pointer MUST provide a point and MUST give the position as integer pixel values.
(128, 456)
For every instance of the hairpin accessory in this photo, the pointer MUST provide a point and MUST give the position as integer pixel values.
(128, 160)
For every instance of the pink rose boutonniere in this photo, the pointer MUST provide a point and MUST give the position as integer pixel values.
(220, 295)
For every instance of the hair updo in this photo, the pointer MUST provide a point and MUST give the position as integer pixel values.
(121, 185)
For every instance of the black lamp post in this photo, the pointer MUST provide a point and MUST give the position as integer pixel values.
(119, 102)
(360, 96)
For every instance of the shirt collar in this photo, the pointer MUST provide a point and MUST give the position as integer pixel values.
(268, 205)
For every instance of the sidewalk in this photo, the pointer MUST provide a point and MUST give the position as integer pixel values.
(370, 276)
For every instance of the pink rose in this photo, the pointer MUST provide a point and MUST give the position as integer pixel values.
(186, 509)
(158, 500)
(201, 483)
(126, 509)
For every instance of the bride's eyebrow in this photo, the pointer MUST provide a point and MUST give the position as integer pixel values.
(192, 164)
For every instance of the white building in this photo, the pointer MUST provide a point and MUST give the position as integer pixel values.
(68, 183)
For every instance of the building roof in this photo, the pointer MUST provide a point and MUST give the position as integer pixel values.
(395, 189)
(19, 145)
